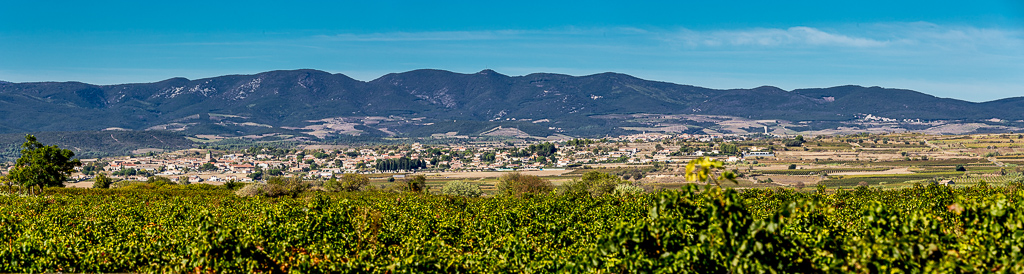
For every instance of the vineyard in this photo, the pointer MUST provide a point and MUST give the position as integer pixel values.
(699, 230)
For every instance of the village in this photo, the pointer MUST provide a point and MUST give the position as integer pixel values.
(654, 160)
(215, 167)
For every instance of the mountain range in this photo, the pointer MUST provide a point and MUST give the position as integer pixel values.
(435, 102)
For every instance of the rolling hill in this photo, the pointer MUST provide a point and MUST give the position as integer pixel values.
(425, 102)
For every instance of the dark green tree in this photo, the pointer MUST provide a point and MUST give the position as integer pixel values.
(275, 172)
(795, 142)
(158, 181)
(101, 181)
(207, 167)
(488, 157)
(256, 176)
(417, 183)
(729, 149)
(42, 166)
(545, 149)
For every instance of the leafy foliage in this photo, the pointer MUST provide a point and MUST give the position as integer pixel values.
(101, 181)
(628, 189)
(207, 167)
(42, 166)
(795, 142)
(462, 188)
(417, 183)
(936, 229)
(159, 180)
(729, 149)
(704, 169)
(593, 183)
(348, 182)
(544, 150)
(284, 186)
(518, 184)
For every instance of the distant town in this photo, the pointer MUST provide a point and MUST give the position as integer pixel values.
(201, 165)
(654, 160)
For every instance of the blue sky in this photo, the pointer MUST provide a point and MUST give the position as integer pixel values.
(967, 50)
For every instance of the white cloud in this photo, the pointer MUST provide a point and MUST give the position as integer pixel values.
(901, 40)
(771, 37)
(868, 36)
(954, 37)
(425, 36)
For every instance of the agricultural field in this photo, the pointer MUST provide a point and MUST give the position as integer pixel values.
(691, 229)
(828, 204)
(888, 160)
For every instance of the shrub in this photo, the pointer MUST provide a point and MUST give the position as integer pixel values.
(250, 190)
(592, 183)
(792, 166)
(355, 182)
(198, 187)
(158, 181)
(462, 188)
(960, 168)
(795, 142)
(517, 184)
(279, 186)
(332, 185)
(628, 189)
(417, 183)
(102, 181)
(135, 185)
(232, 185)
(394, 187)
(120, 184)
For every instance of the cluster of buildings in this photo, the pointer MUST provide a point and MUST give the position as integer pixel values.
(201, 165)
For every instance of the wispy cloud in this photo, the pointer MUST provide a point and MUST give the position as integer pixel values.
(425, 36)
(868, 36)
(771, 37)
(925, 34)
(917, 35)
